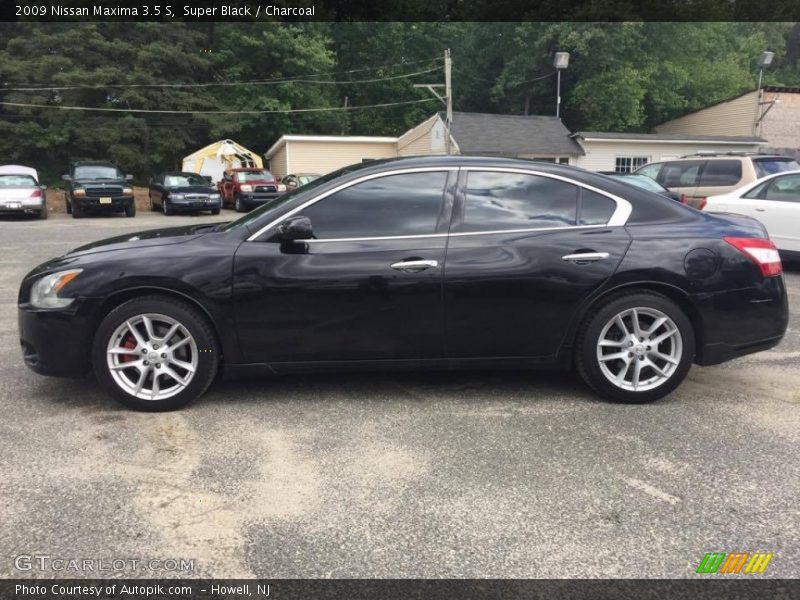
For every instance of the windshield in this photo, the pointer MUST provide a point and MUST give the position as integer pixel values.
(97, 172)
(270, 208)
(245, 176)
(185, 180)
(17, 181)
(768, 166)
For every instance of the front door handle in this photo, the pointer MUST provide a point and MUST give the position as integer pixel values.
(414, 265)
(585, 257)
(761, 210)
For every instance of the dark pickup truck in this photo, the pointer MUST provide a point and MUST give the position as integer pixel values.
(247, 188)
(98, 187)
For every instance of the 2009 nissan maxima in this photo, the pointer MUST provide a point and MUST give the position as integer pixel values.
(435, 262)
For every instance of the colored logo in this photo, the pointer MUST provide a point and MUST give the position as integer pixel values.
(734, 563)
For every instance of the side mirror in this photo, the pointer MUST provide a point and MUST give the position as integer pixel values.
(296, 228)
(129, 177)
(66, 178)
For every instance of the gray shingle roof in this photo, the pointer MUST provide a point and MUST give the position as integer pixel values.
(482, 133)
(654, 137)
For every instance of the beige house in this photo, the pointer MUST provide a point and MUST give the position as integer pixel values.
(543, 138)
(773, 113)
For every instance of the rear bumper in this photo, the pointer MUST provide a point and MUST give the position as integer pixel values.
(20, 205)
(739, 322)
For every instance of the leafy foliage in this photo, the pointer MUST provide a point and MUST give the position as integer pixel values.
(625, 76)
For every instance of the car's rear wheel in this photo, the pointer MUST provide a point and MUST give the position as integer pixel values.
(43, 212)
(155, 353)
(635, 348)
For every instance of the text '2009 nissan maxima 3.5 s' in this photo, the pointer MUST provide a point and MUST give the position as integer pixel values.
(436, 263)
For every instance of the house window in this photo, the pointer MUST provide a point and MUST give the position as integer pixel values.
(628, 164)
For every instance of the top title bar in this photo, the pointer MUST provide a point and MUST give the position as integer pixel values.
(400, 10)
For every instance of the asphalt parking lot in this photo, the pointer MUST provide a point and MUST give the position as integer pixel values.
(394, 475)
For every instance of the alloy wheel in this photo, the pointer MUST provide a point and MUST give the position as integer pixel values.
(152, 356)
(639, 349)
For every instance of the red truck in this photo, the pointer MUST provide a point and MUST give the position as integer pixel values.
(247, 188)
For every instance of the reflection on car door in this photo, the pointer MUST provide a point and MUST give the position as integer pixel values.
(523, 252)
(368, 288)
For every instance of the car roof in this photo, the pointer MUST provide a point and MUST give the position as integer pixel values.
(180, 173)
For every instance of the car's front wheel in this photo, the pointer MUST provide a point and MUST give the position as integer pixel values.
(635, 348)
(155, 353)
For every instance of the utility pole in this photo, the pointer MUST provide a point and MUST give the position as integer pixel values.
(447, 99)
(449, 95)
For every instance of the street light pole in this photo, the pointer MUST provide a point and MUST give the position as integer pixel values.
(561, 61)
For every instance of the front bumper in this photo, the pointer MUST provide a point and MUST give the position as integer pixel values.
(57, 342)
(740, 322)
(257, 199)
(103, 203)
(194, 204)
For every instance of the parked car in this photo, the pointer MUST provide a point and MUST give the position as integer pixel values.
(179, 191)
(247, 188)
(295, 180)
(775, 201)
(427, 262)
(643, 182)
(20, 191)
(699, 176)
(99, 187)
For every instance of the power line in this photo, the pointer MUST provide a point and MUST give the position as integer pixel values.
(215, 112)
(508, 83)
(276, 81)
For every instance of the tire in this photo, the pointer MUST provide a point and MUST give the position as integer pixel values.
(130, 210)
(237, 204)
(165, 208)
(152, 205)
(69, 206)
(77, 212)
(43, 213)
(214, 211)
(165, 385)
(664, 366)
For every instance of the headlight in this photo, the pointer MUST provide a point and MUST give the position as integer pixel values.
(247, 188)
(79, 193)
(213, 196)
(127, 191)
(176, 196)
(281, 188)
(44, 293)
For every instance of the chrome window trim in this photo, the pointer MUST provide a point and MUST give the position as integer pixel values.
(618, 218)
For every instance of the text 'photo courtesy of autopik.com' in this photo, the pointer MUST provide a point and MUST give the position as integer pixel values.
(316, 300)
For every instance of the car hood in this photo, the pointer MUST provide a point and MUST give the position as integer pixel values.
(152, 237)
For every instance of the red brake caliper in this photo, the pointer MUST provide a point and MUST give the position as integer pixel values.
(129, 343)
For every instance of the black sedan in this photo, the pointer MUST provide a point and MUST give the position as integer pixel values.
(177, 191)
(434, 263)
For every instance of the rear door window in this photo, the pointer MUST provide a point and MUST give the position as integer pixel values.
(497, 201)
(680, 174)
(720, 173)
(784, 189)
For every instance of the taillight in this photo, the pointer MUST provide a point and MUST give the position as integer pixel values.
(702, 205)
(762, 252)
(36, 194)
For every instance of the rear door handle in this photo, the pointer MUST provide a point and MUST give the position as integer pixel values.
(414, 265)
(585, 257)
(761, 210)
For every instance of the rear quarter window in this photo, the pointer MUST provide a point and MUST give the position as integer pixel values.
(721, 173)
(768, 166)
